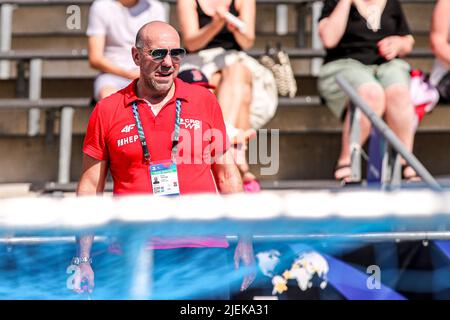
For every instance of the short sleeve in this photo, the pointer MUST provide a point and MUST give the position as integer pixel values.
(95, 140)
(97, 22)
(219, 138)
(402, 24)
(328, 7)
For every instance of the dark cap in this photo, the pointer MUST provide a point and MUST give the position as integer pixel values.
(195, 76)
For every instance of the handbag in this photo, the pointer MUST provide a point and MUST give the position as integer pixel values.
(443, 87)
(424, 96)
(277, 60)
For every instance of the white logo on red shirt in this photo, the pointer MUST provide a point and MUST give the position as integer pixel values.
(127, 140)
(128, 128)
(191, 123)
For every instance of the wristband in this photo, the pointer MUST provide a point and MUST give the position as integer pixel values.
(79, 260)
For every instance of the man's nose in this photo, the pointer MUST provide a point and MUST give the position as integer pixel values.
(167, 61)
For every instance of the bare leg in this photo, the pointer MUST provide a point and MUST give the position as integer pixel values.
(374, 95)
(400, 118)
(400, 113)
(215, 80)
(234, 95)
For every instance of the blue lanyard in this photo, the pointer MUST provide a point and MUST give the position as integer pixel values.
(142, 135)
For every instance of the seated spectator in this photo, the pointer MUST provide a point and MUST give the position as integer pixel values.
(364, 41)
(246, 90)
(111, 31)
(440, 44)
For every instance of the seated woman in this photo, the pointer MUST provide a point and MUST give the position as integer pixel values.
(111, 31)
(440, 45)
(364, 40)
(246, 91)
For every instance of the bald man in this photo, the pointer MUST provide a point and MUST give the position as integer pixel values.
(161, 129)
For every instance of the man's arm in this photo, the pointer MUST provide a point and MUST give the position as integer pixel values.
(93, 177)
(228, 180)
(332, 28)
(194, 37)
(247, 13)
(92, 182)
(97, 60)
(227, 175)
(439, 31)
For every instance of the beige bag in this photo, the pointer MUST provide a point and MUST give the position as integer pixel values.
(277, 60)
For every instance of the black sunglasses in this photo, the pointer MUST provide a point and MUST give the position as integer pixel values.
(159, 54)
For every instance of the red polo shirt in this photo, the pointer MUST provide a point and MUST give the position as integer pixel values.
(112, 135)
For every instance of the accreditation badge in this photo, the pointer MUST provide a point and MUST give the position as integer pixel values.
(164, 178)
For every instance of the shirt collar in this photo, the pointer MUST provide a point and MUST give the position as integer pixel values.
(129, 92)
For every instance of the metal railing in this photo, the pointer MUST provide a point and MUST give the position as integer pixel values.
(394, 147)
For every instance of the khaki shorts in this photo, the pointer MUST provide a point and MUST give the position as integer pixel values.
(393, 72)
(265, 94)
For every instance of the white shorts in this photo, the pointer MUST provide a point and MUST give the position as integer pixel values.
(265, 95)
(109, 80)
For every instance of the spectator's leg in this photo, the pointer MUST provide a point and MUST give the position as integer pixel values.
(400, 118)
(373, 94)
(400, 113)
(215, 80)
(234, 95)
(243, 120)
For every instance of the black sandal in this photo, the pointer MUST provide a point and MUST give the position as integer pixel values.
(410, 177)
(346, 180)
(343, 167)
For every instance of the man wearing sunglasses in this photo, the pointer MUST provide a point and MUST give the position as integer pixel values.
(136, 133)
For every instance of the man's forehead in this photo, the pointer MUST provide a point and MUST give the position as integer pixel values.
(162, 39)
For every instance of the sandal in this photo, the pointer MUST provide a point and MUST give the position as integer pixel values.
(409, 174)
(345, 176)
(251, 184)
(343, 172)
(238, 149)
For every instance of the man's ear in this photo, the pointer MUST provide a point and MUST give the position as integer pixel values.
(135, 55)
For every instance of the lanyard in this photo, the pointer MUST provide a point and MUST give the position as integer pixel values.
(141, 134)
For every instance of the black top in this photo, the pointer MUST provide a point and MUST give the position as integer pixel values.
(359, 42)
(224, 39)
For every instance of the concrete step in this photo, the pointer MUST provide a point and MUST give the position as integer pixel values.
(314, 118)
(54, 17)
(318, 118)
(77, 85)
(418, 15)
(81, 86)
(14, 122)
(54, 87)
(312, 156)
(14, 190)
(306, 156)
(81, 68)
(78, 68)
(32, 160)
